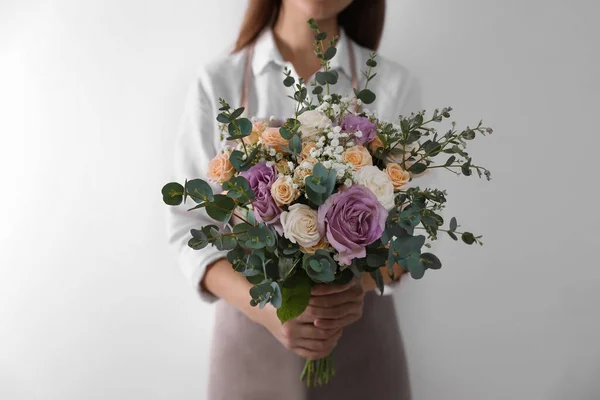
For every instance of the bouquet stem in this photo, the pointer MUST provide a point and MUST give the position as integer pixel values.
(318, 372)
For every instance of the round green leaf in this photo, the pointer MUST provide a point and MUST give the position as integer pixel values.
(245, 126)
(431, 261)
(221, 208)
(468, 238)
(330, 53)
(366, 96)
(199, 190)
(198, 240)
(172, 193)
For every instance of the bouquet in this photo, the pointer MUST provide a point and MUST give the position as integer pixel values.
(325, 196)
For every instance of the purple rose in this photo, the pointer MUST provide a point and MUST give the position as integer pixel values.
(352, 219)
(353, 123)
(261, 179)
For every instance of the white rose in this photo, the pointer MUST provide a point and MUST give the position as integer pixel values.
(399, 157)
(312, 122)
(377, 182)
(300, 225)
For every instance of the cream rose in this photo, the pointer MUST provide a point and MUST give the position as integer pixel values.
(300, 225)
(257, 129)
(322, 245)
(397, 175)
(377, 182)
(284, 191)
(220, 169)
(358, 157)
(271, 137)
(312, 122)
(399, 157)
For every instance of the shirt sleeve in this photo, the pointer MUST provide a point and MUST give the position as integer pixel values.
(195, 146)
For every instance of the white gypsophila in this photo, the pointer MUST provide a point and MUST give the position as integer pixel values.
(348, 182)
(306, 165)
(312, 121)
(337, 129)
(290, 165)
(270, 163)
(272, 152)
(300, 225)
(335, 142)
(335, 108)
(330, 135)
(327, 164)
(278, 156)
(377, 182)
(358, 133)
(327, 97)
(339, 149)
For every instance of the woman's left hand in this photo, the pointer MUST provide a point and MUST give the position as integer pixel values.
(336, 306)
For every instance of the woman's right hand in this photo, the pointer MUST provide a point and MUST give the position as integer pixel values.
(300, 334)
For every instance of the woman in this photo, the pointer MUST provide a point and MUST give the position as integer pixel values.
(254, 356)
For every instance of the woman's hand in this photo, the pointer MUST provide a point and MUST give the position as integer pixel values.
(336, 306)
(300, 334)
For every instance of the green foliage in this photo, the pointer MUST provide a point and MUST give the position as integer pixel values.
(320, 267)
(296, 295)
(260, 237)
(265, 292)
(239, 160)
(238, 188)
(320, 184)
(378, 278)
(199, 190)
(221, 208)
(199, 240)
(173, 193)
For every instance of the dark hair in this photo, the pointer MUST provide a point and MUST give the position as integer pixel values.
(362, 21)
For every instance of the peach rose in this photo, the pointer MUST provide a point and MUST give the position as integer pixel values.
(220, 169)
(282, 167)
(271, 137)
(257, 129)
(300, 175)
(397, 175)
(306, 148)
(283, 191)
(375, 144)
(358, 157)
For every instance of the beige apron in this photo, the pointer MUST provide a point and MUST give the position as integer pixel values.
(248, 363)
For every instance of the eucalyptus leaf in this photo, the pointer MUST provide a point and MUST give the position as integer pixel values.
(198, 240)
(173, 193)
(199, 190)
(221, 208)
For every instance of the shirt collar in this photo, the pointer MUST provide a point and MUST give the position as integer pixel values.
(266, 52)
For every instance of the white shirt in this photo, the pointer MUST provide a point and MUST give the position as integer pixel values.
(199, 139)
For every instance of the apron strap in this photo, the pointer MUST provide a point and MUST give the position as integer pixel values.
(247, 79)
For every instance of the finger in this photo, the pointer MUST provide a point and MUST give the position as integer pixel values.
(337, 323)
(310, 331)
(335, 312)
(337, 299)
(309, 354)
(325, 289)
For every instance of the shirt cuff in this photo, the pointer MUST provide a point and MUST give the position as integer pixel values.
(194, 264)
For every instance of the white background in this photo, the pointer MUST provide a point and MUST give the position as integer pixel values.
(92, 305)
